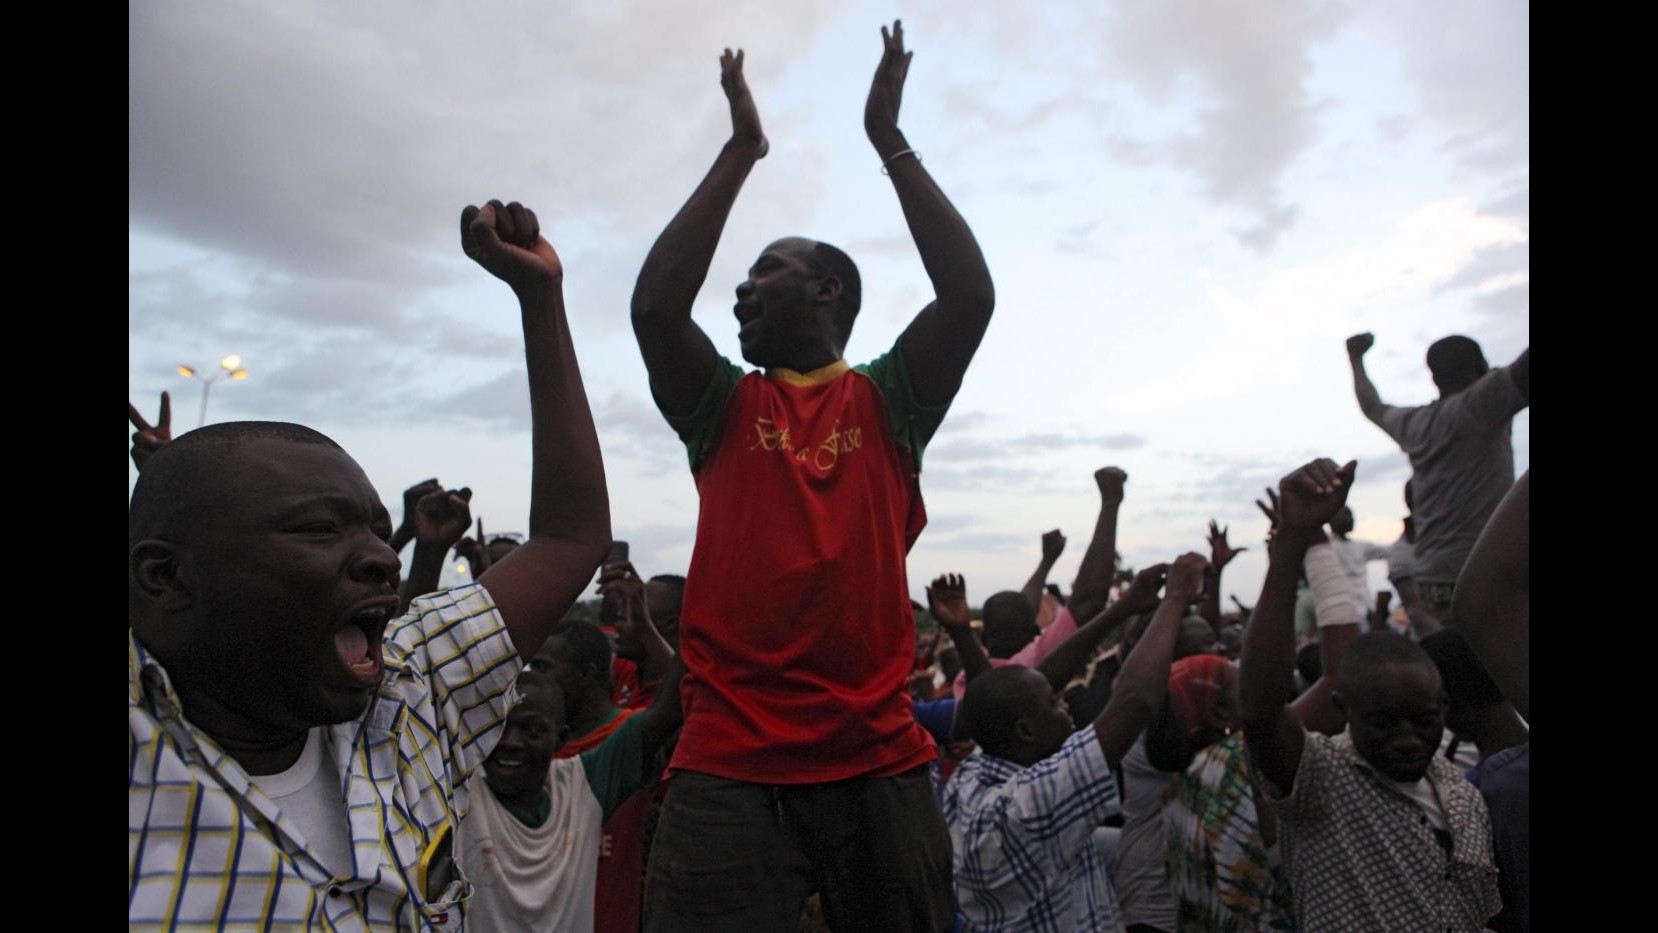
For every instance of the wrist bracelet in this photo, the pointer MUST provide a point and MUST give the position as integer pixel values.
(898, 155)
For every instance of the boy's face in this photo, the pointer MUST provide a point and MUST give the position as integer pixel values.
(534, 733)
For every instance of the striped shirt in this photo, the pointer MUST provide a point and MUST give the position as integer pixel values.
(206, 849)
(1024, 856)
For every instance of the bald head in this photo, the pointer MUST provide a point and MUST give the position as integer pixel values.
(186, 478)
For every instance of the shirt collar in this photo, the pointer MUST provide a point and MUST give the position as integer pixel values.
(815, 377)
(142, 666)
(993, 770)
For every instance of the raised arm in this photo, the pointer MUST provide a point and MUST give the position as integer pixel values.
(1492, 602)
(405, 531)
(940, 342)
(1221, 553)
(1068, 659)
(1053, 544)
(440, 519)
(569, 504)
(678, 355)
(1093, 584)
(1370, 401)
(1520, 371)
(1306, 500)
(658, 722)
(1142, 685)
(947, 601)
(634, 622)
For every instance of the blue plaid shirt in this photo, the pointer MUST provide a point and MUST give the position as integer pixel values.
(207, 850)
(1023, 856)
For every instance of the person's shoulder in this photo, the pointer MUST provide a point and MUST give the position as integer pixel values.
(467, 607)
(1081, 750)
(1507, 761)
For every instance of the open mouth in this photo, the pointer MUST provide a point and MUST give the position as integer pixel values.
(358, 641)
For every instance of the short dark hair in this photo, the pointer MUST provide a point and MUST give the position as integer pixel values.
(1009, 623)
(994, 702)
(1468, 685)
(178, 478)
(1373, 651)
(586, 644)
(1455, 360)
(838, 264)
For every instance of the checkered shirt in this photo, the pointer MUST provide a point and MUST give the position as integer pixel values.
(1362, 856)
(206, 849)
(1023, 854)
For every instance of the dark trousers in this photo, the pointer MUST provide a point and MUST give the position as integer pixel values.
(739, 857)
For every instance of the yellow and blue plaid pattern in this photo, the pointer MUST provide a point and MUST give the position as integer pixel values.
(208, 850)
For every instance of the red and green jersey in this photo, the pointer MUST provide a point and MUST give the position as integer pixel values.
(620, 882)
(796, 627)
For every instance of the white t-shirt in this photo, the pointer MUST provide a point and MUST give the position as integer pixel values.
(533, 879)
(1140, 877)
(309, 794)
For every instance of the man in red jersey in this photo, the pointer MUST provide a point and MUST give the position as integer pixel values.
(801, 767)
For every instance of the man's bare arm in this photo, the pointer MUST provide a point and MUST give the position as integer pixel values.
(941, 341)
(1068, 659)
(1492, 602)
(1306, 500)
(1221, 553)
(569, 504)
(1053, 544)
(440, 518)
(1142, 685)
(947, 601)
(1370, 401)
(678, 355)
(635, 618)
(1093, 584)
(1520, 372)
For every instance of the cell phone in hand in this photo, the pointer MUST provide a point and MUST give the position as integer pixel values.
(618, 552)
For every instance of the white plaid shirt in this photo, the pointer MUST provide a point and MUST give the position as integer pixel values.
(206, 849)
(1023, 852)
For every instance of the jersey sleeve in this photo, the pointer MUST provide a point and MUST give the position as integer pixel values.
(700, 429)
(913, 424)
(617, 768)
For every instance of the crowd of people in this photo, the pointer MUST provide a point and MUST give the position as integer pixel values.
(321, 738)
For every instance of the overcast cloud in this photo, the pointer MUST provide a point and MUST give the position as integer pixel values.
(1186, 205)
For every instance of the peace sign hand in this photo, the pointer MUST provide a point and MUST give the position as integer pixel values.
(147, 440)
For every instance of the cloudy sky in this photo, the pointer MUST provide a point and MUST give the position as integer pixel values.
(1187, 206)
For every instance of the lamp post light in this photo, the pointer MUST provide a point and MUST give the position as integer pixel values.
(229, 365)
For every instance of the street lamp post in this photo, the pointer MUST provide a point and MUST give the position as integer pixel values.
(230, 365)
